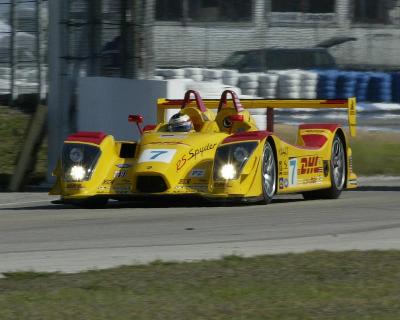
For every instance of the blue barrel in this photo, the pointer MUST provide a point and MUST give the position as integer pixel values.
(380, 87)
(362, 86)
(326, 87)
(346, 85)
(396, 87)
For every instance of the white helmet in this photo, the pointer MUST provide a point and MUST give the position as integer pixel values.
(180, 123)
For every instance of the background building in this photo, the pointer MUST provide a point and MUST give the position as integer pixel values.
(129, 38)
(204, 32)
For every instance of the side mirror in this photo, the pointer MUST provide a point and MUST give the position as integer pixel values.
(236, 118)
(135, 118)
(138, 119)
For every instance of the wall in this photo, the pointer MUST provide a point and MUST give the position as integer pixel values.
(105, 103)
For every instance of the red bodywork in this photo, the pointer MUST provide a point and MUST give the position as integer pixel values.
(247, 135)
(315, 140)
(89, 137)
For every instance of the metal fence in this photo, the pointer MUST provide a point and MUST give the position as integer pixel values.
(23, 26)
(129, 38)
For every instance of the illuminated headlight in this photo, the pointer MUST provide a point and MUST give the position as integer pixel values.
(230, 159)
(78, 161)
(78, 173)
(228, 171)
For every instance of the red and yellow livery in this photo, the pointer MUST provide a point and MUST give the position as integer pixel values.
(225, 157)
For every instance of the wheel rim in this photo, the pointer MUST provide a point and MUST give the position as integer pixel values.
(269, 172)
(338, 163)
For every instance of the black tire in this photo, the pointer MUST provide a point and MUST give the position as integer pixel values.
(268, 174)
(337, 172)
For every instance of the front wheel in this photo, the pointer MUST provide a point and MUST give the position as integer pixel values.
(268, 174)
(337, 173)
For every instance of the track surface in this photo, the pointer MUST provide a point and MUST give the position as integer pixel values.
(38, 235)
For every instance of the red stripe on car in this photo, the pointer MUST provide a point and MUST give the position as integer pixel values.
(327, 126)
(334, 101)
(247, 135)
(86, 136)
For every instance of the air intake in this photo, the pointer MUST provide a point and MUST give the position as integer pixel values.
(150, 184)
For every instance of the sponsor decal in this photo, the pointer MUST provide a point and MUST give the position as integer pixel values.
(110, 182)
(181, 162)
(312, 180)
(220, 185)
(197, 173)
(292, 172)
(75, 186)
(103, 189)
(200, 187)
(283, 152)
(310, 165)
(350, 164)
(122, 188)
(124, 165)
(281, 183)
(120, 174)
(193, 154)
(283, 167)
(157, 155)
(352, 110)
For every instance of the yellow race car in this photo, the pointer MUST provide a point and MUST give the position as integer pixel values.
(221, 155)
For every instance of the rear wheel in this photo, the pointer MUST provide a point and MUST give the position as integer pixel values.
(268, 174)
(337, 171)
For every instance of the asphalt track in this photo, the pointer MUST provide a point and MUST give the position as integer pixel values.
(38, 235)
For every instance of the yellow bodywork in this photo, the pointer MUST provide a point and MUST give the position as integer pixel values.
(178, 163)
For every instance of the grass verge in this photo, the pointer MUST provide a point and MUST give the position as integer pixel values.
(315, 285)
(13, 128)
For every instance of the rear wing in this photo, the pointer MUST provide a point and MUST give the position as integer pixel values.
(269, 105)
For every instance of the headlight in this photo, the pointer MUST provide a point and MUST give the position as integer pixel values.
(76, 155)
(78, 161)
(228, 171)
(241, 154)
(78, 173)
(230, 159)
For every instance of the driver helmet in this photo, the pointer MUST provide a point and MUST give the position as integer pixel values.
(180, 123)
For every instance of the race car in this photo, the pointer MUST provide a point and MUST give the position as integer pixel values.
(223, 157)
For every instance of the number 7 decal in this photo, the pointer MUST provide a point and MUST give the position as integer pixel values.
(156, 153)
(293, 172)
